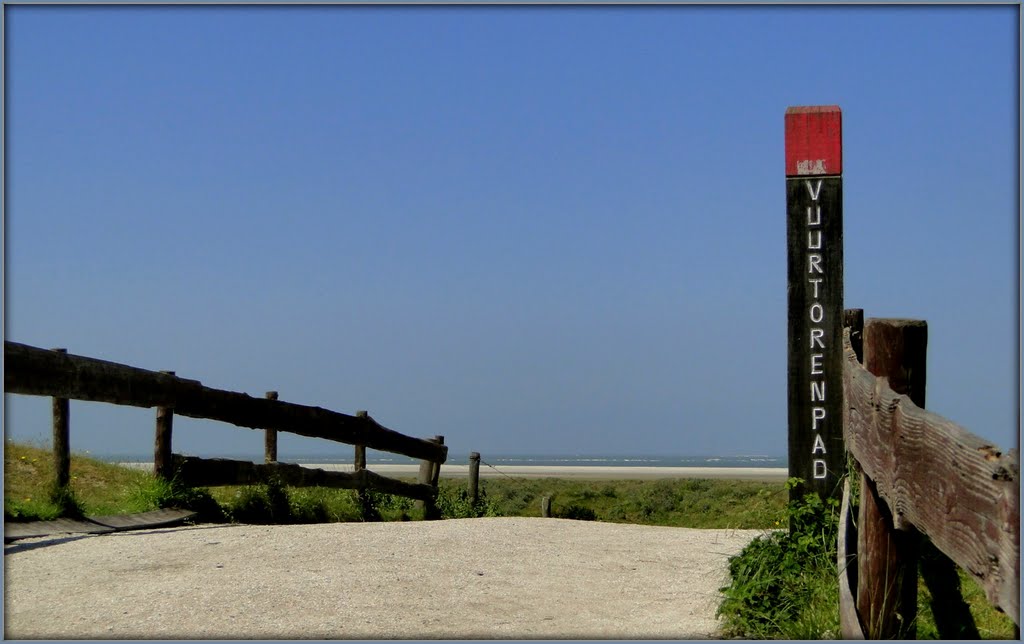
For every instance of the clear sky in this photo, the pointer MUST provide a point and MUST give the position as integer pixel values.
(528, 229)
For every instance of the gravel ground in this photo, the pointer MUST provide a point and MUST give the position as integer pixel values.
(520, 578)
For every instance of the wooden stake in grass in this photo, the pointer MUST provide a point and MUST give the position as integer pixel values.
(474, 477)
(429, 472)
(270, 437)
(162, 459)
(61, 440)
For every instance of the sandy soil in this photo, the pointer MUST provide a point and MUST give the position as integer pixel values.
(468, 578)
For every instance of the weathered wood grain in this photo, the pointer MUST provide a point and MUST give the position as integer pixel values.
(270, 436)
(38, 372)
(955, 487)
(887, 562)
(222, 471)
(846, 555)
(474, 477)
(162, 448)
(428, 475)
(814, 287)
(61, 438)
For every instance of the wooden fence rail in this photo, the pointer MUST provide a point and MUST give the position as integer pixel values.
(222, 471)
(928, 475)
(40, 372)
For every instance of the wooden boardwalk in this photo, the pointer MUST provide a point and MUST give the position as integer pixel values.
(96, 525)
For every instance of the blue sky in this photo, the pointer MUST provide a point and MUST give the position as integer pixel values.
(528, 229)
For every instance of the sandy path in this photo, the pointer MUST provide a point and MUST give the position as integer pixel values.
(469, 578)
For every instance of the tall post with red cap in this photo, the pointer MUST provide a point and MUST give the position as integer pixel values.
(814, 244)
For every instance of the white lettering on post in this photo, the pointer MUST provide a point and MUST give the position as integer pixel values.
(816, 368)
(814, 242)
(817, 314)
(819, 469)
(818, 325)
(817, 413)
(814, 263)
(819, 445)
(813, 216)
(815, 281)
(818, 391)
(815, 191)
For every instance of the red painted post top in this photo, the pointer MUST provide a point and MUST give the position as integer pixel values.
(814, 141)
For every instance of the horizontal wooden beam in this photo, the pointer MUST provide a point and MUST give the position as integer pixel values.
(936, 476)
(221, 471)
(40, 372)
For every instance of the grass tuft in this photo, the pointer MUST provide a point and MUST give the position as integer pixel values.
(784, 584)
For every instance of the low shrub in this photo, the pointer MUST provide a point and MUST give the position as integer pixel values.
(576, 512)
(785, 583)
(154, 493)
(457, 503)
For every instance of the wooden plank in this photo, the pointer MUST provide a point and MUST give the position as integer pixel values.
(144, 520)
(846, 562)
(814, 270)
(38, 372)
(31, 529)
(221, 471)
(957, 488)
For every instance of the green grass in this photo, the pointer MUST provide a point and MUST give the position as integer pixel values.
(692, 503)
(99, 488)
(782, 587)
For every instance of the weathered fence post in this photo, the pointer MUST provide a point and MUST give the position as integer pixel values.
(61, 440)
(162, 460)
(367, 511)
(474, 477)
(814, 269)
(887, 556)
(359, 457)
(429, 473)
(854, 320)
(270, 437)
(846, 555)
(545, 506)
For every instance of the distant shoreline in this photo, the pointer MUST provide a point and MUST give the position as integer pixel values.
(581, 472)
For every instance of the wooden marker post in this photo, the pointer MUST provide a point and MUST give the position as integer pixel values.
(814, 249)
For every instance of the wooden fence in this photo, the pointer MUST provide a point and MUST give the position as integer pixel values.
(928, 486)
(55, 373)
